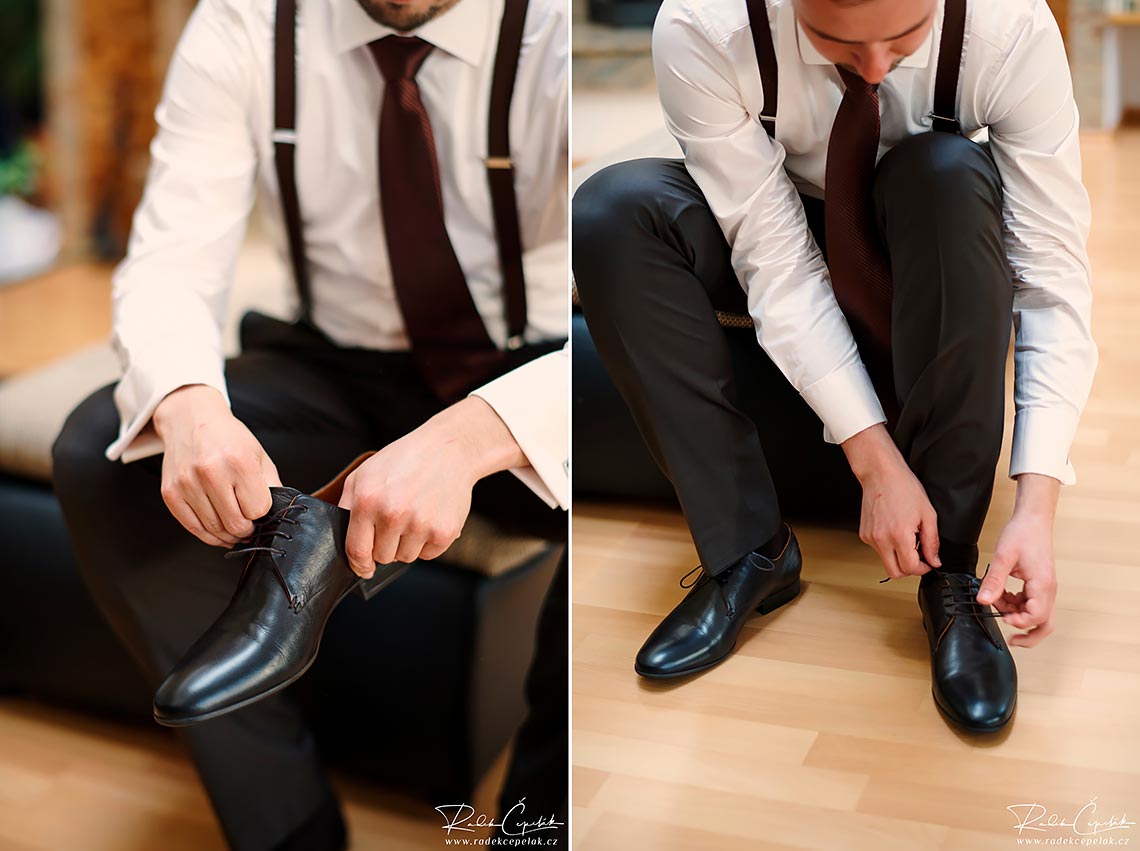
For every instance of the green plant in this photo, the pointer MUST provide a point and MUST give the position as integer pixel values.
(18, 172)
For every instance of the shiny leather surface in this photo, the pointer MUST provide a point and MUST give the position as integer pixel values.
(267, 636)
(974, 679)
(704, 627)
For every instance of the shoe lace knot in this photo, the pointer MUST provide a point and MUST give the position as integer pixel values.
(757, 560)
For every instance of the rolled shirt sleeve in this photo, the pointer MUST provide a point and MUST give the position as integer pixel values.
(170, 293)
(740, 171)
(1033, 125)
(532, 401)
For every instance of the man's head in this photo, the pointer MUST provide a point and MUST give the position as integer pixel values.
(404, 15)
(868, 37)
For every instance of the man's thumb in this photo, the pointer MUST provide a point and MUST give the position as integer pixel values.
(994, 584)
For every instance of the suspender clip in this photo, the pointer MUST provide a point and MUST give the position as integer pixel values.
(941, 122)
(515, 342)
(284, 137)
(499, 162)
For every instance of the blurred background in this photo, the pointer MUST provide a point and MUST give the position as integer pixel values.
(82, 763)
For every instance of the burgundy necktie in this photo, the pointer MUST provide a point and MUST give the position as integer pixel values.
(859, 266)
(449, 340)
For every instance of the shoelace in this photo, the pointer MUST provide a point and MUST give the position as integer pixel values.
(960, 597)
(720, 578)
(261, 541)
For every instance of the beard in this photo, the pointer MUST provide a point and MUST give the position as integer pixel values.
(404, 18)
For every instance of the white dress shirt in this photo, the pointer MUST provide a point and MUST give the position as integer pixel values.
(213, 155)
(1014, 81)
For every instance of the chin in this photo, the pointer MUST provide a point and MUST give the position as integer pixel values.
(405, 16)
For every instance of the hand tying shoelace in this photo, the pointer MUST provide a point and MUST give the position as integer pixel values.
(720, 577)
(261, 541)
(963, 592)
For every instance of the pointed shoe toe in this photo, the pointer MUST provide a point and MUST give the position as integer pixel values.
(702, 630)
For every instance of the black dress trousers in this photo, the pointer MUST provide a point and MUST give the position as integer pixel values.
(739, 444)
(314, 407)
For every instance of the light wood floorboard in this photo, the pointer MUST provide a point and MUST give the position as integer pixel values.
(820, 731)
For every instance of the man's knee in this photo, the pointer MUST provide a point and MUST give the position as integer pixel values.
(943, 173)
(615, 211)
(78, 459)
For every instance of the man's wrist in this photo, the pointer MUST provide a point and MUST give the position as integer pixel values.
(174, 404)
(1037, 496)
(484, 442)
(870, 451)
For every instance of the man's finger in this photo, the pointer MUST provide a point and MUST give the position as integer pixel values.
(907, 556)
(253, 496)
(385, 546)
(994, 584)
(185, 515)
(208, 517)
(928, 539)
(410, 546)
(890, 562)
(358, 545)
(1033, 637)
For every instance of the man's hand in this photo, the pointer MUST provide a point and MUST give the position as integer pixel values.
(215, 475)
(411, 499)
(1025, 550)
(895, 505)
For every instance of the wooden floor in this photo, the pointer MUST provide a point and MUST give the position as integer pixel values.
(820, 732)
(69, 782)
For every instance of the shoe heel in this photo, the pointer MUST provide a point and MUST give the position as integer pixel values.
(779, 598)
(384, 576)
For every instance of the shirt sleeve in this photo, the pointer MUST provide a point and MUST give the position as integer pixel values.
(740, 170)
(1033, 125)
(533, 402)
(170, 292)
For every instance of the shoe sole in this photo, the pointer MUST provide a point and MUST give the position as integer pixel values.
(364, 587)
(768, 604)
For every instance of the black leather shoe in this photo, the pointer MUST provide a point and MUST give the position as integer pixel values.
(702, 631)
(974, 680)
(295, 574)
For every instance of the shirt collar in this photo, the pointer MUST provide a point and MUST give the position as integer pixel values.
(919, 59)
(463, 30)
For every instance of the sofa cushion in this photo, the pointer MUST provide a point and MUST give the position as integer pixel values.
(35, 404)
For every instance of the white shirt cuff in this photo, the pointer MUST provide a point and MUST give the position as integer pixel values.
(1041, 441)
(138, 394)
(846, 402)
(531, 401)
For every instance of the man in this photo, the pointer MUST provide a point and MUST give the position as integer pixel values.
(405, 343)
(897, 342)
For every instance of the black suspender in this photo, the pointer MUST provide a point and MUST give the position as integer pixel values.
(766, 59)
(945, 111)
(945, 114)
(284, 144)
(500, 172)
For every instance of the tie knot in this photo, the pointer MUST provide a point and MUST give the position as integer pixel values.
(854, 82)
(399, 57)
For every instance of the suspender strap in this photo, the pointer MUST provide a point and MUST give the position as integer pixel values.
(284, 143)
(766, 59)
(500, 171)
(945, 115)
